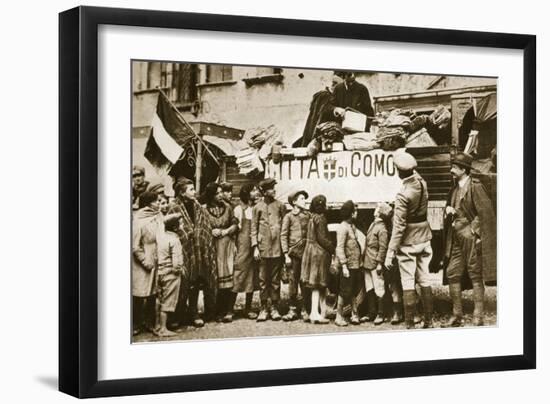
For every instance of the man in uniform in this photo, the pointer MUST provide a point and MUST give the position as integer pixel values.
(410, 239)
(470, 227)
(267, 217)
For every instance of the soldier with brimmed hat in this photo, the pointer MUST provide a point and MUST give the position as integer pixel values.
(293, 242)
(410, 241)
(470, 226)
(267, 217)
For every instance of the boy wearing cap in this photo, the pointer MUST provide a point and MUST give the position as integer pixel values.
(410, 241)
(348, 252)
(470, 225)
(376, 245)
(267, 217)
(293, 242)
(170, 269)
(139, 185)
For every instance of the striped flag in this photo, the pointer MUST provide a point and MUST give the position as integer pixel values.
(168, 137)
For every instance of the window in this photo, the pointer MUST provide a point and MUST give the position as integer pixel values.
(267, 71)
(218, 73)
(265, 75)
(184, 83)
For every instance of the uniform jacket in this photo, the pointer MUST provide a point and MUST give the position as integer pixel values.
(355, 96)
(376, 244)
(146, 230)
(294, 233)
(348, 250)
(479, 211)
(266, 228)
(411, 206)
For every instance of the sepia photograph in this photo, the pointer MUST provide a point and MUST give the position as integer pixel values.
(285, 201)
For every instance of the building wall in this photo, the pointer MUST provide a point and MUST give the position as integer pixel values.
(285, 104)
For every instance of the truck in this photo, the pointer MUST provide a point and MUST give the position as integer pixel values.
(369, 177)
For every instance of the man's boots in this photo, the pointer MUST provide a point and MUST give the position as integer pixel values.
(428, 305)
(409, 306)
(456, 320)
(397, 313)
(380, 315)
(479, 296)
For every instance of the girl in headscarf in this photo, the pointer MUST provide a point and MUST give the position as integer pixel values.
(224, 225)
(317, 258)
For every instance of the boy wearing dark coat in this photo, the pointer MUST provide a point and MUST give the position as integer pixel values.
(293, 242)
(267, 217)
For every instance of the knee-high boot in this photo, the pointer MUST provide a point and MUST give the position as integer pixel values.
(479, 297)
(409, 306)
(428, 305)
(455, 291)
(137, 314)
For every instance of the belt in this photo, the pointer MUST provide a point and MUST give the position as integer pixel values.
(417, 219)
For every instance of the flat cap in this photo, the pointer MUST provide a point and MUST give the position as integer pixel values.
(268, 183)
(404, 161)
(138, 170)
(157, 188)
(292, 197)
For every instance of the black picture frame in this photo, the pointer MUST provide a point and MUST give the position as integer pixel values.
(78, 200)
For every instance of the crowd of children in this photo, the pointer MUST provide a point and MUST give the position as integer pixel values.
(207, 243)
(255, 244)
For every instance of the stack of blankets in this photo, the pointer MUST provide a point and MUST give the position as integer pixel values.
(248, 161)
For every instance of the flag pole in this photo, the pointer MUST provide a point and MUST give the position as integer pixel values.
(184, 122)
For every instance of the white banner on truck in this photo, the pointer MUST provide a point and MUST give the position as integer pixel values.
(364, 177)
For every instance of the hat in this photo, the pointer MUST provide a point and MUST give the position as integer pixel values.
(171, 220)
(384, 209)
(267, 184)
(346, 210)
(292, 197)
(404, 161)
(463, 160)
(318, 204)
(138, 170)
(156, 188)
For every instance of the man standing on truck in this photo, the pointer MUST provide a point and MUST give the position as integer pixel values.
(321, 110)
(267, 217)
(470, 226)
(354, 95)
(411, 238)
